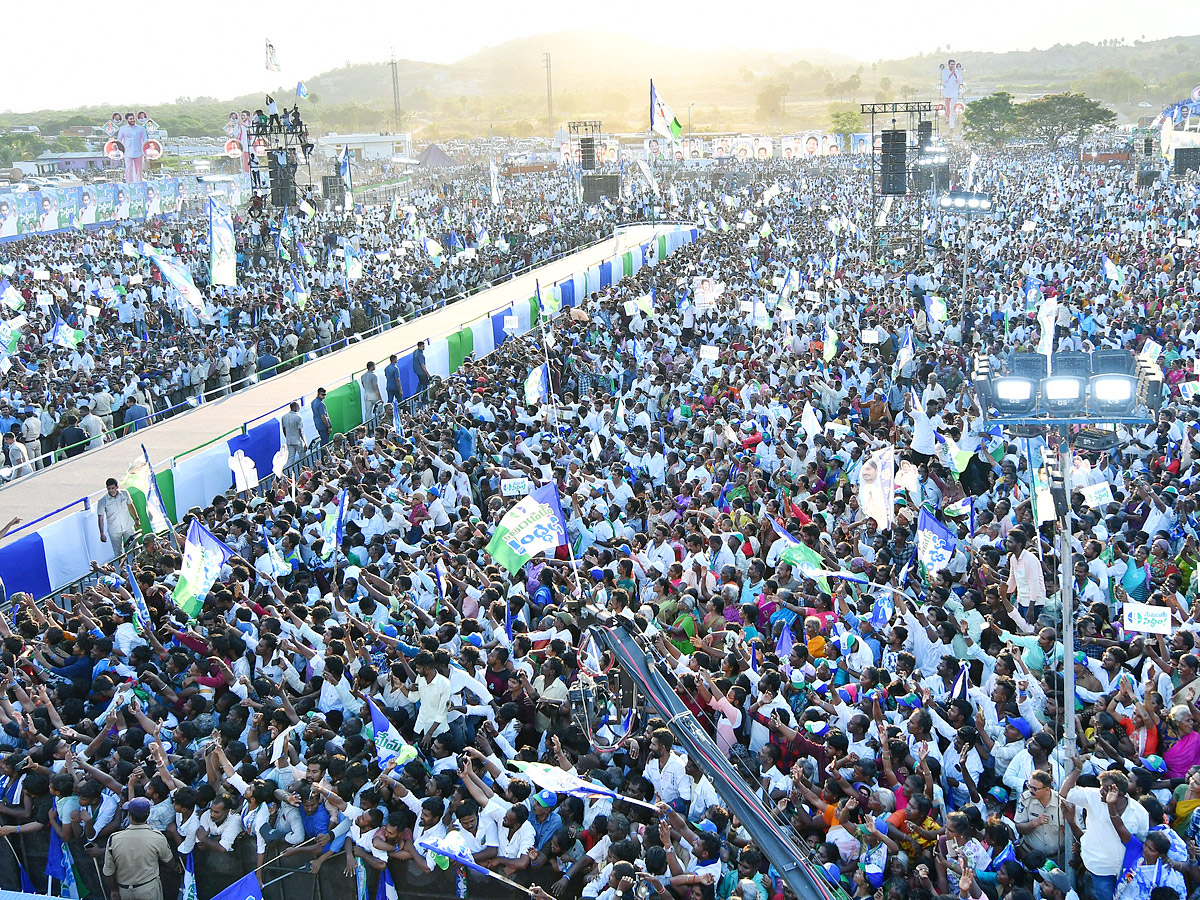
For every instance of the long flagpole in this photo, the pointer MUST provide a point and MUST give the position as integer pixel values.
(554, 420)
(161, 503)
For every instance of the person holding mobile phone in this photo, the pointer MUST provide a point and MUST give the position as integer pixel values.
(1113, 819)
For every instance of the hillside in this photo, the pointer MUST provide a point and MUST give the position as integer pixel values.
(605, 75)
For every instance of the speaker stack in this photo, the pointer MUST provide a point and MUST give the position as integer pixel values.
(587, 153)
(1187, 159)
(893, 152)
(924, 134)
(334, 188)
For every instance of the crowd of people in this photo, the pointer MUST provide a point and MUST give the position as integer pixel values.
(344, 698)
(131, 351)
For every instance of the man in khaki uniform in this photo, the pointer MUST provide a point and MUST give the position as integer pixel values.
(133, 855)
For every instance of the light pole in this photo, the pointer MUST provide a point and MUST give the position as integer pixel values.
(690, 105)
(968, 204)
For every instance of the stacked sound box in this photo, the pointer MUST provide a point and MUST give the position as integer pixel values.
(893, 153)
(597, 186)
(333, 188)
(1187, 159)
(587, 153)
(924, 134)
(283, 181)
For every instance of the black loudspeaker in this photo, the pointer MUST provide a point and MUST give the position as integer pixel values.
(283, 179)
(924, 134)
(333, 188)
(1148, 147)
(587, 152)
(1029, 365)
(597, 186)
(893, 154)
(1147, 177)
(1187, 159)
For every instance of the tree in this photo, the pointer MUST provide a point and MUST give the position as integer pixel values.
(992, 120)
(770, 100)
(18, 147)
(1057, 115)
(845, 122)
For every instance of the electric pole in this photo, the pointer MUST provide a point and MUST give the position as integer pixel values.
(395, 95)
(549, 95)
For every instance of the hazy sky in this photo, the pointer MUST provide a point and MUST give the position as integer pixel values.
(152, 53)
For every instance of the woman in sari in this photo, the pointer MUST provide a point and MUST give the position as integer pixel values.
(1182, 741)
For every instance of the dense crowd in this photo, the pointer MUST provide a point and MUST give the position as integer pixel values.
(131, 350)
(709, 425)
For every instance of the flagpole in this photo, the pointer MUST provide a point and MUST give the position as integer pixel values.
(554, 420)
(161, 503)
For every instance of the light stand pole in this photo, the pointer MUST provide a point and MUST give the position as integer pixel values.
(1067, 586)
(690, 105)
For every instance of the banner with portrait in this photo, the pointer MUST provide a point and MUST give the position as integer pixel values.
(59, 209)
(860, 142)
(706, 290)
(657, 149)
(722, 146)
(693, 148)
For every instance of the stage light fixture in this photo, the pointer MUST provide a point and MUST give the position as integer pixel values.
(971, 202)
(1063, 395)
(1013, 395)
(1112, 394)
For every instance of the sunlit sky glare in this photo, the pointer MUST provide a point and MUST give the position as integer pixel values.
(85, 54)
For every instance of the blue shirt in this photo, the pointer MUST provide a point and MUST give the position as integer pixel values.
(319, 414)
(543, 831)
(391, 377)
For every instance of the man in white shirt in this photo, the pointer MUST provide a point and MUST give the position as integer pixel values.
(433, 692)
(666, 772)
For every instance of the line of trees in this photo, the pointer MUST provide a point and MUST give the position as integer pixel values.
(996, 119)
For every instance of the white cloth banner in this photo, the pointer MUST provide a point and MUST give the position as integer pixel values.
(201, 477)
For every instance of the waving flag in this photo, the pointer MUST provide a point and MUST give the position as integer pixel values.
(389, 744)
(882, 610)
(537, 385)
(347, 177)
(935, 308)
(549, 306)
(141, 613)
(333, 528)
(280, 567)
(299, 292)
(433, 248)
(1033, 292)
(662, 120)
(387, 887)
(65, 336)
(10, 336)
(301, 91)
(188, 891)
(552, 778)
(272, 60)
(222, 246)
(494, 181)
(60, 864)
(1047, 317)
(203, 556)
(535, 525)
(143, 490)
(783, 646)
(181, 280)
(935, 545)
(962, 681)
(452, 847)
(1112, 271)
(245, 888)
(905, 354)
(10, 296)
(481, 236)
